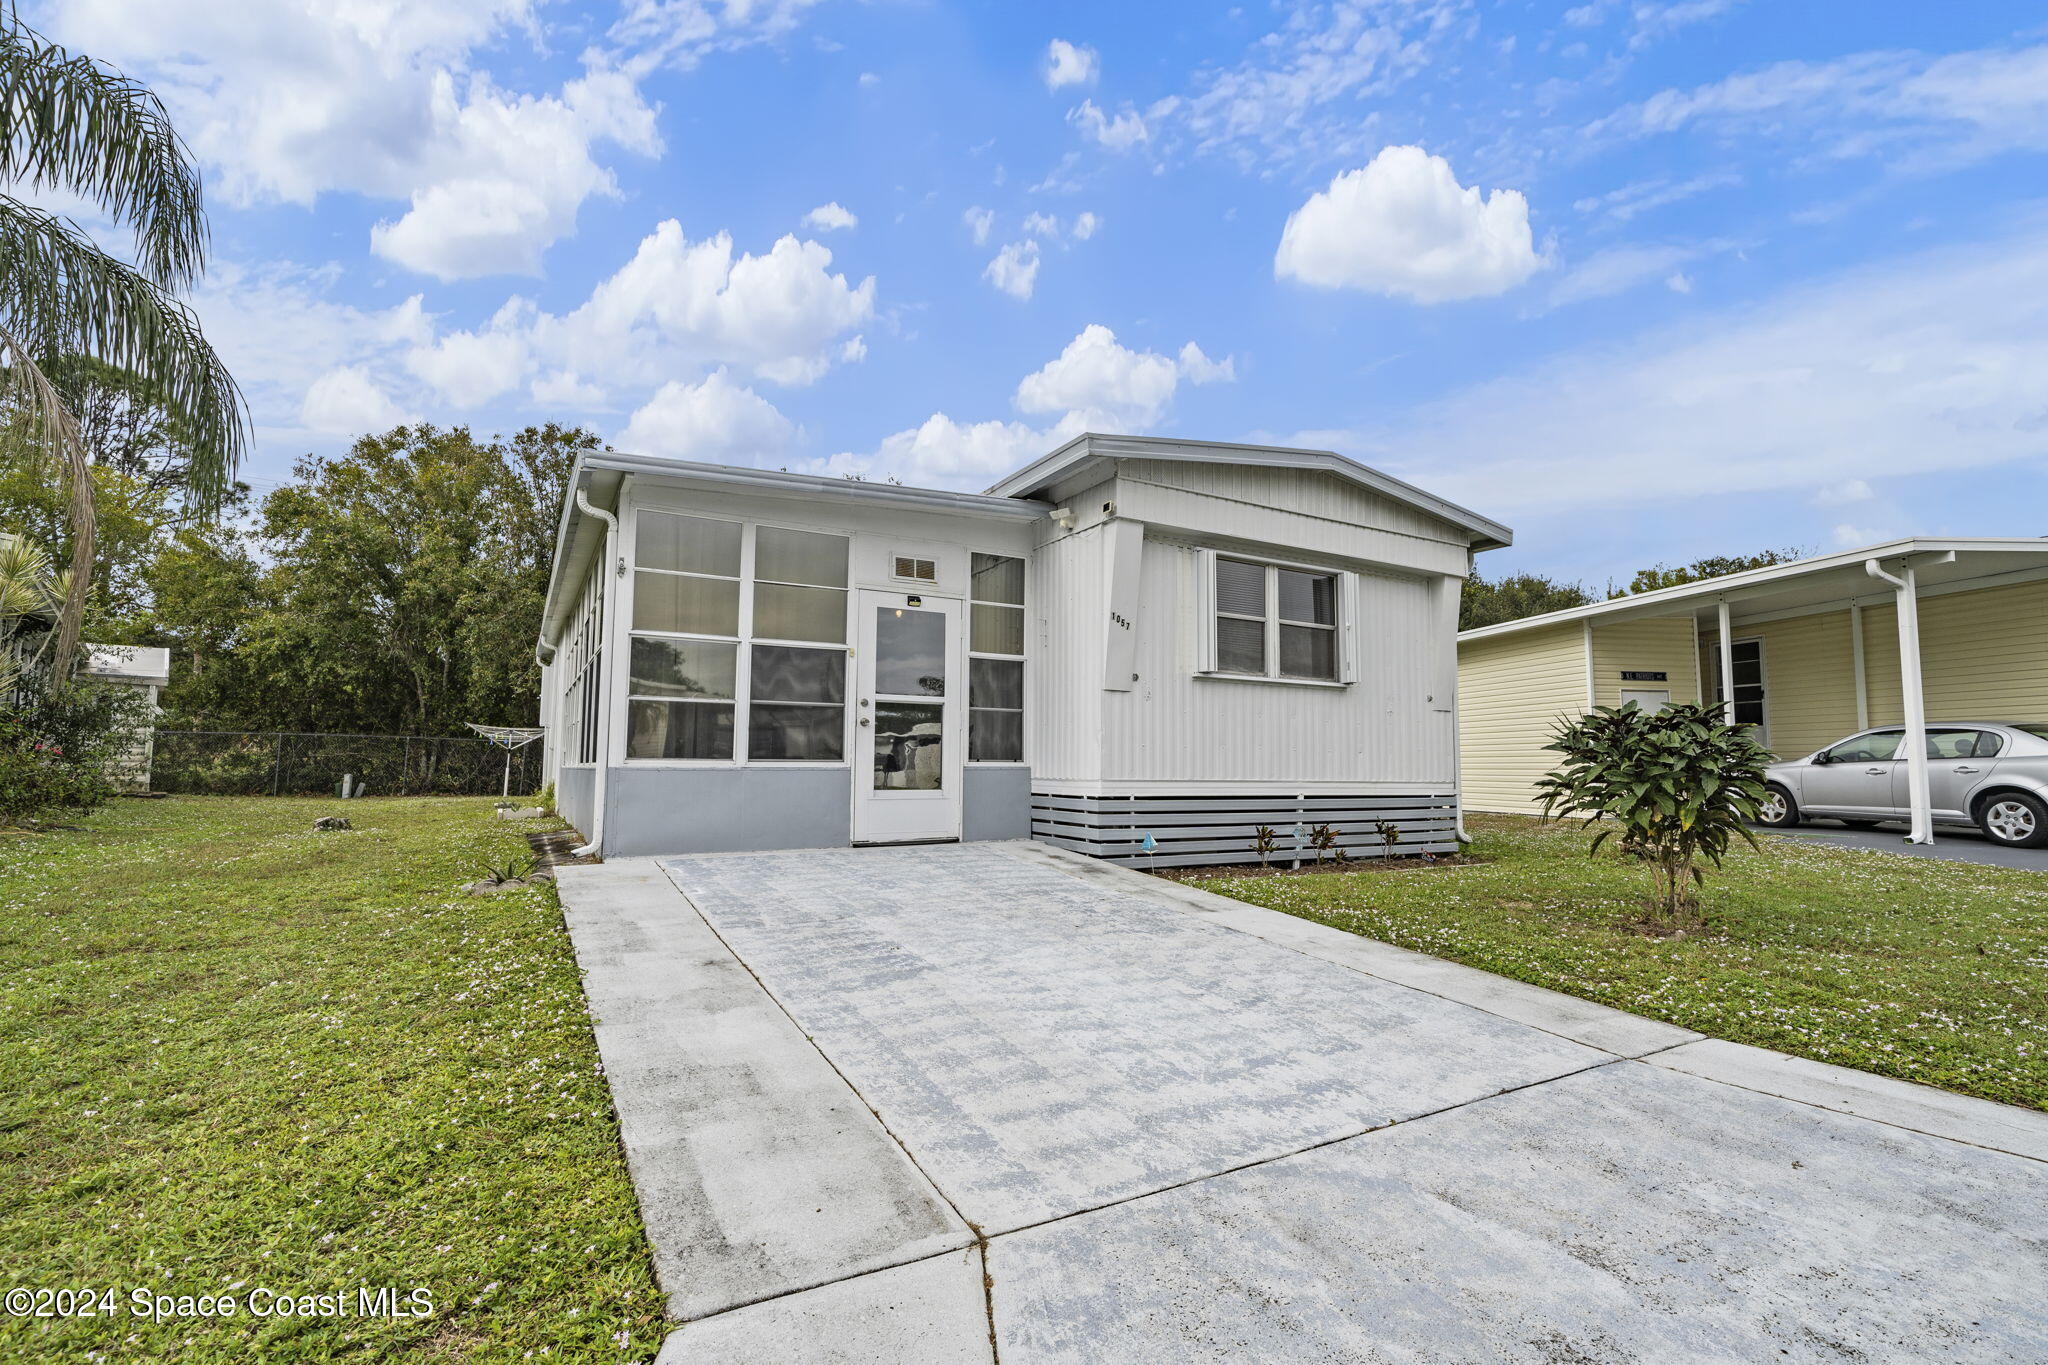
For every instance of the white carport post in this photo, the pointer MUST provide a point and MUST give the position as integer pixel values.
(1727, 666)
(1905, 590)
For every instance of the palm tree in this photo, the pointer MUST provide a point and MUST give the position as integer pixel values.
(72, 125)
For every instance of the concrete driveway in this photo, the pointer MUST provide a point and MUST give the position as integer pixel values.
(969, 1103)
(1951, 844)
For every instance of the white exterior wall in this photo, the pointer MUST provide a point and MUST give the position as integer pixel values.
(1390, 731)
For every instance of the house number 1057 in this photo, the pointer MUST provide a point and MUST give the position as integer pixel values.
(1120, 620)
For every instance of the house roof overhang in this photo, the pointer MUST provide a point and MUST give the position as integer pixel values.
(1092, 454)
(1818, 583)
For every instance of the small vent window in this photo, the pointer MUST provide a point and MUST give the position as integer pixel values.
(919, 570)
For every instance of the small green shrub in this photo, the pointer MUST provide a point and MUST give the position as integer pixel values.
(59, 747)
(1677, 784)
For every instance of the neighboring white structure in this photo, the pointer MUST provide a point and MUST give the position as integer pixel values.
(1130, 637)
(141, 666)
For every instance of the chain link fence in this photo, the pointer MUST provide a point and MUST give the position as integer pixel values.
(232, 763)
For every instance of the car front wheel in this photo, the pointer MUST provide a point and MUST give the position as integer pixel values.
(2015, 819)
(1777, 809)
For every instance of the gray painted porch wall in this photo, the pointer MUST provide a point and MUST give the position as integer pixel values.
(574, 792)
(723, 810)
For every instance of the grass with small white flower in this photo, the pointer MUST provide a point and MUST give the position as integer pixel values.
(242, 1054)
(1926, 970)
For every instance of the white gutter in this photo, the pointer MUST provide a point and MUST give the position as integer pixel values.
(1906, 593)
(1455, 589)
(602, 564)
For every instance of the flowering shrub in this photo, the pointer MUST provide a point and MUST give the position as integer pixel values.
(58, 749)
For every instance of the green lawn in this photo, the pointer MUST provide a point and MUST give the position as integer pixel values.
(239, 1054)
(1930, 971)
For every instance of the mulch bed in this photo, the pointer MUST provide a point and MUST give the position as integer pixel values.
(556, 848)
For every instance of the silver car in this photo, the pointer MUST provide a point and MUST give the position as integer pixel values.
(1991, 775)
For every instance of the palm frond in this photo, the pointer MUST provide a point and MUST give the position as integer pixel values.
(72, 123)
(60, 295)
(55, 430)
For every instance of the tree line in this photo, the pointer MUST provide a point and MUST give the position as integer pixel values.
(1489, 602)
(393, 589)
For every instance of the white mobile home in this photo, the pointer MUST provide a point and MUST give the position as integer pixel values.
(1129, 641)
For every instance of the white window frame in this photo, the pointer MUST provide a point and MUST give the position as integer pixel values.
(1345, 606)
(967, 628)
(743, 643)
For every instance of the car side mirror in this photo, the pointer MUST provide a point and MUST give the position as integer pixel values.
(1822, 758)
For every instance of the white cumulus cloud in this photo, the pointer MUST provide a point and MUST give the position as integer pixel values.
(346, 401)
(471, 368)
(1014, 269)
(1403, 225)
(715, 420)
(287, 101)
(979, 220)
(1112, 384)
(1095, 383)
(1068, 64)
(830, 218)
(1119, 132)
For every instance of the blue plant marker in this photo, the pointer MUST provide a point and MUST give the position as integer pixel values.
(1151, 845)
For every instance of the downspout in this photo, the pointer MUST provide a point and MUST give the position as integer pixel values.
(602, 564)
(1456, 588)
(1905, 589)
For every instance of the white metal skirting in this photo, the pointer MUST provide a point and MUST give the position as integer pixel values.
(1208, 828)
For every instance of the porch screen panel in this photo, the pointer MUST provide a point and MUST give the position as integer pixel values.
(796, 710)
(995, 665)
(683, 666)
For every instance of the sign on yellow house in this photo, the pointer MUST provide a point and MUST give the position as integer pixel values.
(1814, 655)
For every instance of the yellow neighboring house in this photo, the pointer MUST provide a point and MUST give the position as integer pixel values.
(1815, 655)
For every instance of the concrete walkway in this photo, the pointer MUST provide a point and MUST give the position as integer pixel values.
(969, 1103)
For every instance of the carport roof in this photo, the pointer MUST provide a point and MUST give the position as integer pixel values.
(1809, 584)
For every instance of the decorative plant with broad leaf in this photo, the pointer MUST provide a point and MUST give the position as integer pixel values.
(1678, 786)
(1264, 840)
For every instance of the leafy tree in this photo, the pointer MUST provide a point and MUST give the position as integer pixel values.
(1715, 566)
(395, 589)
(1488, 603)
(71, 125)
(1677, 784)
(131, 518)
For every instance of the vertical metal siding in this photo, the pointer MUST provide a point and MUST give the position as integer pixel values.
(1174, 727)
(1063, 704)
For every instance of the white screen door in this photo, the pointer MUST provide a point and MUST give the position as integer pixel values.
(909, 742)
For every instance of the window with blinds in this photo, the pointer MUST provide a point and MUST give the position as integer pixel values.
(1275, 622)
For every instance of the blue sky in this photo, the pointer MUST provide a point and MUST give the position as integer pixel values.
(1646, 280)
